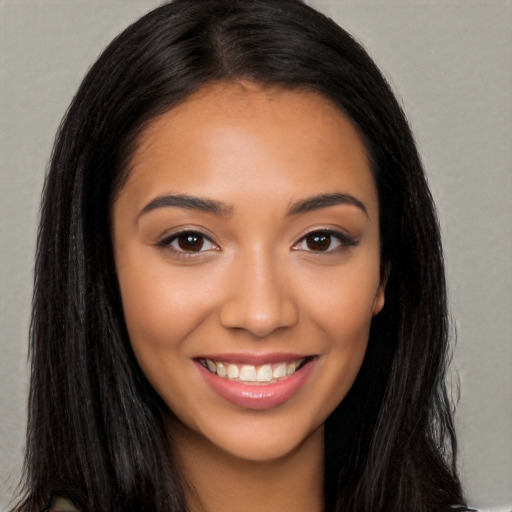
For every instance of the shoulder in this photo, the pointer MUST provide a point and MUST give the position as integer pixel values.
(62, 504)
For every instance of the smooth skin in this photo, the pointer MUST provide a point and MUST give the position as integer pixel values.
(252, 267)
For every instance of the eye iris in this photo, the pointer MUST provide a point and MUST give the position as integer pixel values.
(318, 241)
(190, 242)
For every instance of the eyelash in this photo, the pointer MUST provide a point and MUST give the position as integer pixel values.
(344, 240)
(168, 241)
(322, 235)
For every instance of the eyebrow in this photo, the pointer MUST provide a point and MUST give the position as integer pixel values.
(190, 203)
(324, 201)
(223, 209)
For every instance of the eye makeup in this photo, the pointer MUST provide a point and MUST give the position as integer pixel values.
(191, 243)
(187, 243)
(325, 241)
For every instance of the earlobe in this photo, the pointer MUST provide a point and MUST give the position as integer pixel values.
(380, 297)
(378, 303)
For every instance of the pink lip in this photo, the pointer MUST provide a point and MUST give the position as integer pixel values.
(259, 396)
(255, 359)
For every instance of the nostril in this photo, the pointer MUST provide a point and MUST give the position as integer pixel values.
(257, 298)
(258, 318)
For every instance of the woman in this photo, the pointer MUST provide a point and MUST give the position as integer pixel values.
(239, 279)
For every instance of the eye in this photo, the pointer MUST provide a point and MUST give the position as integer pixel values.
(188, 242)
(324, 241)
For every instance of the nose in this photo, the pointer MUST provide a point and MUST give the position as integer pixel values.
(258, 299)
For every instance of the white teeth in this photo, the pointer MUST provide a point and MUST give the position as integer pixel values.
(251, 373)
(248, 373)
(233, 371)
(264, 373)
(221, 371)
(279, 371)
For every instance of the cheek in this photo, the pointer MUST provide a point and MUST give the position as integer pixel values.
(161, 306)
(161, 309)
(346, 321)
(343, 303)
(342, 310)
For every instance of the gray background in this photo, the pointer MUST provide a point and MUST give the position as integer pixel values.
(449, 62)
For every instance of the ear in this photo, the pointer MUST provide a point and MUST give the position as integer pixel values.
(379, 301)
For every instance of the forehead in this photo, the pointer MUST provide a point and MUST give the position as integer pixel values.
(220, 106)
(250, 137)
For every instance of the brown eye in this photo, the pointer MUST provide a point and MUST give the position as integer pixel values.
(190, 242)
(318, 242)
(325, 241)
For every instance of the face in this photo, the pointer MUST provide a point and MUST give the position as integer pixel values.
(246, 243)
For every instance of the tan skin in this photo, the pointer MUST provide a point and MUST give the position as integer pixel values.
(261, 272)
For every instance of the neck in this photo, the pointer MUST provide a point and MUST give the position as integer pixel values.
(220, 482)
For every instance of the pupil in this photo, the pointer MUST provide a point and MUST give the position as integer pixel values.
(190, 242)
(318, 242)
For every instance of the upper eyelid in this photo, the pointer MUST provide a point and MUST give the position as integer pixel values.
(167, 241)
(170, 235)
(339, 233)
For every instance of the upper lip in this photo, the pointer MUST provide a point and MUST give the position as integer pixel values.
(254, 359)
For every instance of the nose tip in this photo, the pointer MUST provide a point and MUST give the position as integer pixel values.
(258, 318)
(259, 303)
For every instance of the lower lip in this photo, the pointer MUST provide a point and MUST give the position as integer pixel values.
(257, 396)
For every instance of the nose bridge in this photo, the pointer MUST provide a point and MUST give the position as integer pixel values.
(258, 299)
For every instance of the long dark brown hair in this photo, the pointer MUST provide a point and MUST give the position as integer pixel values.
(95, 424)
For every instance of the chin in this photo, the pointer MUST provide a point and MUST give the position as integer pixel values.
(267, 450)
(257, 437)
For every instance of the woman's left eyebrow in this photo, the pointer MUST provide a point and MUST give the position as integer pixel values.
(323, 201)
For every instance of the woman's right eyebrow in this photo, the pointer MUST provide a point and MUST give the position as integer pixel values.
(189, 202)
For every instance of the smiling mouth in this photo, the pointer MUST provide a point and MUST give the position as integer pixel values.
(248, 373)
